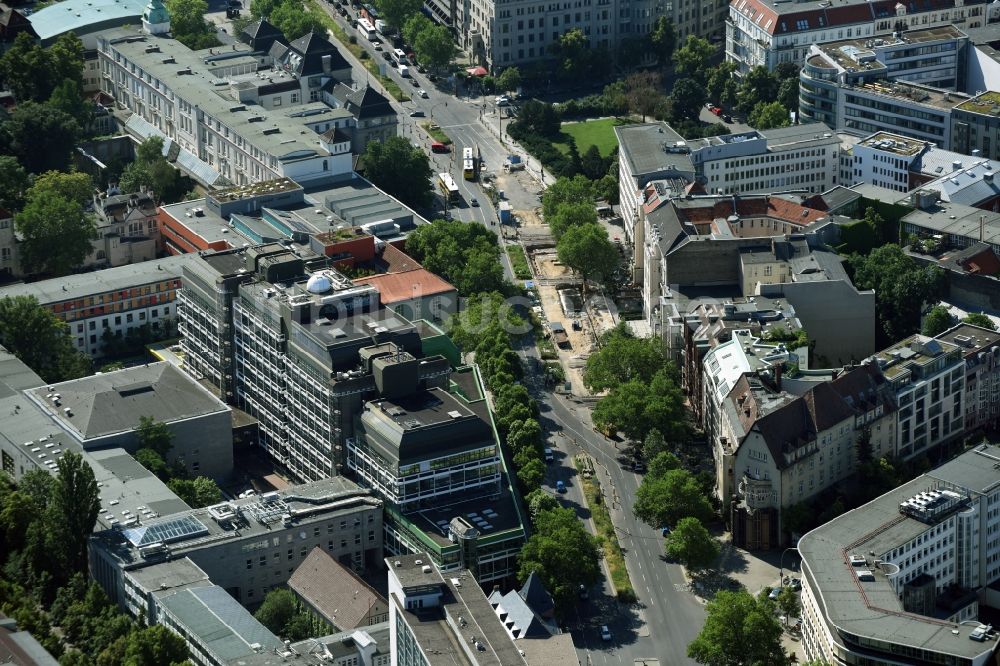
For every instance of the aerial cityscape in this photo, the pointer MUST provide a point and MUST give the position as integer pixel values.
(423, 333)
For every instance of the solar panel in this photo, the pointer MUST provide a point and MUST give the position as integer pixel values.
(166, 532)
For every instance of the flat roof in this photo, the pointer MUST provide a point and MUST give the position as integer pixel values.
(169, 576)
(956, 220)
(915, 350)
(918, 94)
(861, 53)
(988, 103)
(495, 515)
(82, 16)
(80, 285)
(357, 202)
(193, 529)
(113, 402)
(971, 339)
(644, 146)
(893, 143)
(870, 609)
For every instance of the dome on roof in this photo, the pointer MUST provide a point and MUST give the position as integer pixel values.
(156, 18)
(318, 284)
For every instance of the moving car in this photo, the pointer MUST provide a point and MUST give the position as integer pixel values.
(665, 530)
(422, 93)
(419, 114)
(560, 487)
(474, 202)
(605, 633)
(438, 147)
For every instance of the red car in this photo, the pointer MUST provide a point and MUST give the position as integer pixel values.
(716, 110)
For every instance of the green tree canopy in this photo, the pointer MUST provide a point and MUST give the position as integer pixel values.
(937, 321)
(40, 339)
(623, 358)
(576, 190)
(588, 251)
(531, 475)
(13, 184)
(687, 98)
(788, 602)
(467, 255)
(563, 553)
(396, 12)
(571, 215)
(510, 79)
(689, 542)
(415, 25)
(400, 169)
(661, 463)
(788, 94)
(692, 59)
(434, 46)
(573, 51)
(767, 115)
(151, 170)
(980, 319)
(721, 85)
(155, 435)
(665, 500)
(901, 287)
(188, 24)
(759, 85)
(653, 445)
(33, 72)
(56, 235)
(68, 98)
(75, 504)
(155, 645)
(538, 501)
(740, 631)
(291, 18)
(196, 493)
(635, 407)
(281, 614)
(75, 186)
(40, 136)
(663, 40)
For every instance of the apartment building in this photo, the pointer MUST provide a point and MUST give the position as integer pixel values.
(901, 579)
(436, 619)
(219, 111)
(980, 347)
(958, 226)
(335, 596)
(246, 546)
(803, 158)
(499, 35)
(114, 301)
(768, 32)
(927, 376)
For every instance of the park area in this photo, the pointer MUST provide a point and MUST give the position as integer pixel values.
(587, 133)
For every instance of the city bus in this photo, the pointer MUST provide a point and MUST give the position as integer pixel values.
(449, 190)
(399, 56)
(367, 29)
(468, 164)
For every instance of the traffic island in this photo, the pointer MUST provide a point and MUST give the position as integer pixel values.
(606, 535)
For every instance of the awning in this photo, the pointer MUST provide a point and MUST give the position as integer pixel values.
(477, 71)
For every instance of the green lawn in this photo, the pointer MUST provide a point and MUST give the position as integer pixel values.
(600, 133)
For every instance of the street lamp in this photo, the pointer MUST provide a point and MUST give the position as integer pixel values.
(781, 563)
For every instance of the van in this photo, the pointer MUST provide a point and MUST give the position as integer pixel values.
(404, 71)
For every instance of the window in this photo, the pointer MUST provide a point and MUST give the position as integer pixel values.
(277, 101)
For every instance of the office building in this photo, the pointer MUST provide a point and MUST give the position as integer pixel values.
(974, 125)
(901, 579)
(437, 619)
(980, 347)
(952, 225)
(113, 301)
(802, 158)
(246, 546)
(769, 32)
(21, 648)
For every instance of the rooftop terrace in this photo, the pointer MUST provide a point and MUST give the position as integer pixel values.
(987, 103)
(893, 143)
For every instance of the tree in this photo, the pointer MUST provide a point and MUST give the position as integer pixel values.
(32, 72)
(572, 50)
(721, 87)
(414, 26)
(434, 46)
(525, 434)
(538, 118)
(665, 500)
(40, 136)
(13, 184)
(396, 12)
(901, 287)
(769, 114)
(588, 251)
(563, 553)
(661, 463)
(686, 99)
(663, 40)
(571, 215)
(576, 190)
(691, 60)
(155, 435)
(607, 188)
(531, 475)
(788, 94)
(623, 358)
(644, 92)
(40, 339)
(75, 186)
(740, 630)
(263, 8)
(937, 321)
(75, 504)
(538, 501)
(67, 98)
(788, 602)
(293, 21)
(653, 445)
(466, 255)
(980, 319)
(630, 51)
(592, 163)
(400, 169)
(509, 79)
(196, 493)
(278, 608)
(635, 407)
(188, 24)
(155, 645)
(759, 85)
(56, 235)
(689, 542)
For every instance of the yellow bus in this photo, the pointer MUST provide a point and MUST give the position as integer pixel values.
(449, 190)
(468, 164)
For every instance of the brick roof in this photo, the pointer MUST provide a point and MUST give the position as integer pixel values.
(394, 260)
(396, 287)
(748, 207)
(335, 591)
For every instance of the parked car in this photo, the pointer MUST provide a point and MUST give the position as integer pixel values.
(775, 593)
(388, 56)
(605, 633)
(503, 100)
(795, 584)
(716, 110)
(560, 487)
(584, 594)
(419, 114)
(665, 530)
(727, 118)
(548, 455)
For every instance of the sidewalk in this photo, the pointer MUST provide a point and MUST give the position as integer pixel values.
(532, 165)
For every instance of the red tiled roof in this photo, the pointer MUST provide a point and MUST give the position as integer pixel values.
(985, 263)
(775, 207)
(397, 261)
(783, 23)
(396, 287)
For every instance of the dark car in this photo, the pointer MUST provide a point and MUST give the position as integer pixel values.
(388, 56)
(726, 117)
(417, 114)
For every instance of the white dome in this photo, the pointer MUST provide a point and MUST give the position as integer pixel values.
(318, 284)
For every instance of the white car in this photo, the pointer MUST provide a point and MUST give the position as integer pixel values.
(422, 93)
(605, 633)
(503, 101)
